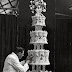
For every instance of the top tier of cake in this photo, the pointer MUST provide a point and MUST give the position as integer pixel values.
(38, 19)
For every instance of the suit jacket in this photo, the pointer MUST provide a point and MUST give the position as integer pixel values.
(12, 64)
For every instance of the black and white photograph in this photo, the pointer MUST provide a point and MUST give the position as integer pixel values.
(35, 35)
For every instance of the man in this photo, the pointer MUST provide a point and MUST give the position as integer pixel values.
(12, 63)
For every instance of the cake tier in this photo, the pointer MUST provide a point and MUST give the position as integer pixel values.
(40, 57)
(38, 37)
(38, 19)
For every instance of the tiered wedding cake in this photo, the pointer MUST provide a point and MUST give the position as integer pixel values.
(38, 38)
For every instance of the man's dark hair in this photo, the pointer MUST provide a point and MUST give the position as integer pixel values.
(18, 49)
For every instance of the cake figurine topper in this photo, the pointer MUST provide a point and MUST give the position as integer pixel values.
(38, 6)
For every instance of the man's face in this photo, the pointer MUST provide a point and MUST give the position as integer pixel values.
(20, 55)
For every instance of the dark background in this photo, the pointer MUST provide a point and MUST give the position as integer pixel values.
(8, 36)
(62, 6)
(63, 44)
(58, 25)
(63, 36)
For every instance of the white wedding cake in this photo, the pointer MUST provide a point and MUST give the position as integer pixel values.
(38, 38)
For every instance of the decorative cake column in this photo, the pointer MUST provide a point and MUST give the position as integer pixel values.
(38, 37)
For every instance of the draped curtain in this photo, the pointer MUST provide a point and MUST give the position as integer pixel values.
(63, 44)
(8, 36)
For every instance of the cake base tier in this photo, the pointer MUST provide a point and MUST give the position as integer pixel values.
(40, 57)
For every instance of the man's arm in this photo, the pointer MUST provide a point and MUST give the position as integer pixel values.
(17, 65)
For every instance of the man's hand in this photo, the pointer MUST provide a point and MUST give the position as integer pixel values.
(29, 58)
(22, 62)
(27, 61)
